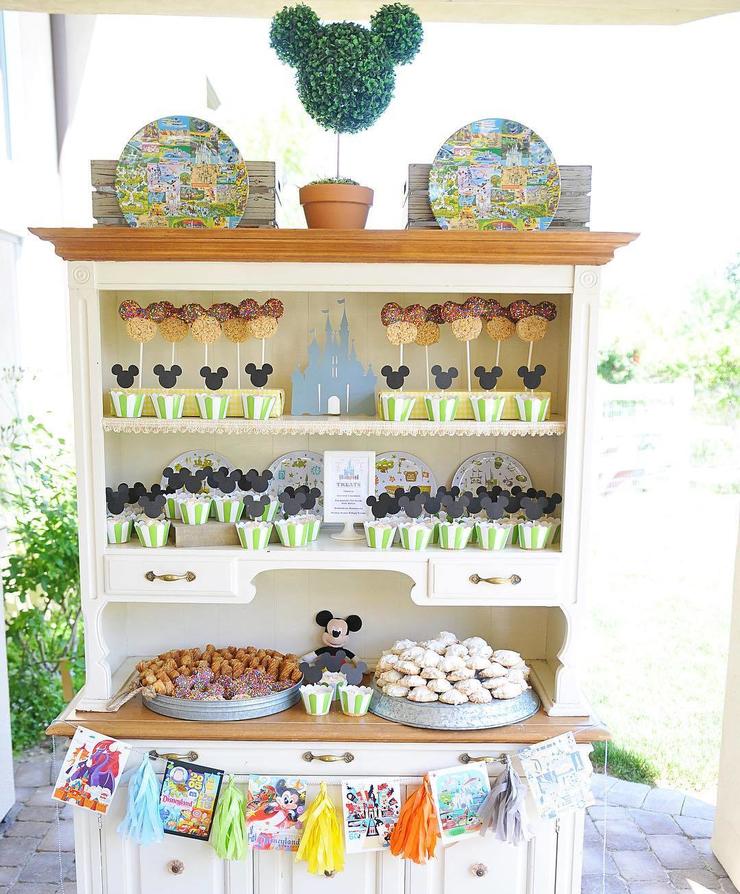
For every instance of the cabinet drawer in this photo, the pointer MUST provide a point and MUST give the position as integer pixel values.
(511, 575)
(162, 576)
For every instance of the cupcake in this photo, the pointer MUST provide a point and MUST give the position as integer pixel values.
(380, 534)
(313, 522)
(167, 405)
(455, 534)
(194, 509)
(355, 700)
(396, 407)
(317, 699)
(334, 679)
(258, 406)
(127, 405)
(212, 406)
(254, 534)
(537, 534)
(531, 407)
(487, 407)
(228, 507)
(119, 527)
(440, 407)
(152, 531)
(293, 532)
(170, 506)
(495, 534)
(271, 510)
(417, 534)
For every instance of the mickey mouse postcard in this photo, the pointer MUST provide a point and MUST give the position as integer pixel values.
(275, 807)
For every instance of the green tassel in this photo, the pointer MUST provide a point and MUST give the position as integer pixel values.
(228, 835)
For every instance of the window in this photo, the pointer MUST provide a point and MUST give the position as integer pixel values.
(4, 101)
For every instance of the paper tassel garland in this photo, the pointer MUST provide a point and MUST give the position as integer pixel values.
(322, 844)
(417, 830)
(142, 822)
(504, 811)
(228, 835)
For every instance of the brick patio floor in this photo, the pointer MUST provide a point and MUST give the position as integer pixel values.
(657, 840)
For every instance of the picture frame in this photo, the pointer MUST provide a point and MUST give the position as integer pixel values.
(349, 479)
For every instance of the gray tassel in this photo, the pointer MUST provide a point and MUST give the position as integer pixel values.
(504, 810)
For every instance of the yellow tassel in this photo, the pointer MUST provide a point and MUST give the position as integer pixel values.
(322, 844)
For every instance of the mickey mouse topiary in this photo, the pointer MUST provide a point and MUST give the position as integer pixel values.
(344, 71)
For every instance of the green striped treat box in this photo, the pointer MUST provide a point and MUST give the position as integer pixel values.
(253, 535)
(167, 406)
(152, 533)
(313, 523)
(228, 509)
(494, 535)
(532, 535)
(212, 406)
(531, 408)
(379, 536)
(317, 699)
(554, 531)
(127, 406)
(487, 408)
(194, 511)
(397, 407)
(270, 511)
(440, 409)
(355, 700)
(292, 533)
(258, 406)
(119, 530)
(170, 506)
(454, 535)
(415, 536)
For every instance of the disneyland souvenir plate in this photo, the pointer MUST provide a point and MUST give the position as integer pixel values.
(198, 459)
(297, 468)
(494, 174)
(181, 172)
(398, 469)
(490, 469)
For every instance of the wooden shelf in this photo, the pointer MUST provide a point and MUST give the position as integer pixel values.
(134, 721)
(333, 426)
(580, 247)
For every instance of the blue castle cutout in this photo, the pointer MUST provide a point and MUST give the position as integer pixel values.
(334, 378)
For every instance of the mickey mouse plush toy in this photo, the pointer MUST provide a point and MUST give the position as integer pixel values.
(335, 635)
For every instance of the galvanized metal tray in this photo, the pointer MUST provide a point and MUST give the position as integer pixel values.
(220, 711)
(434, 715)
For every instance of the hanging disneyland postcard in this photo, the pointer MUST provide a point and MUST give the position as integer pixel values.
(188, 799)
(557, 775)
(274, 811)
(458, 794)
(370, 808)
(91, 770)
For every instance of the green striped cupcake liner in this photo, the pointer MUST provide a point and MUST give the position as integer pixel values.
(533, 536)
(440, 409)
(379, 536)
(416, 537)
(489, 408)
(271, 511)
(355, 700)
(292, 533)
(194, 512)
(227, 510)
(396, 408)
(531, 408)
(314, 526)
(152, 534)
(453, 535)
(554, 532)
(167, 406)
(127, 406)
(492, 536)
(258, 406)
(317, 699)
(170, 506)
(212, 406)
(119, 530)
(253, 536)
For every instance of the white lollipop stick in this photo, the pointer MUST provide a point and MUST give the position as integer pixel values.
(426, 355)
(238, 366)
(498, 351)
(263, 352)
(529, 356)
(141, 363)
(467, 359)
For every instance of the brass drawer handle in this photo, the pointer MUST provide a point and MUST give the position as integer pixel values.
(173, 756)
(477, 579)
(466, 758)
(347, 757)
(189, 576)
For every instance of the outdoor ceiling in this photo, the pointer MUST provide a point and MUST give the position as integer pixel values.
(567, 12)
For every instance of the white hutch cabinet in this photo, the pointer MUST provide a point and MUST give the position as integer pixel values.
(271, 598)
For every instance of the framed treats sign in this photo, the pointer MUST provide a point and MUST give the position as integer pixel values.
(349, 479)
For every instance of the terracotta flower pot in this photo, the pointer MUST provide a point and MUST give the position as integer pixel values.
(335, 206)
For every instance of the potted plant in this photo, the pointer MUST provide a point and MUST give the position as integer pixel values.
(345, 77)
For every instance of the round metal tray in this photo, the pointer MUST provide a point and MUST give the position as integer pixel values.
(434, 715)
(219, 711)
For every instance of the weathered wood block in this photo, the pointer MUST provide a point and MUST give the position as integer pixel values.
(212, 533)
(574, 210)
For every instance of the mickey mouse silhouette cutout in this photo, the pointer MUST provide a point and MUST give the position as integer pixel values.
(384, 505)
(535, 507)
(116, 500)
(413, 506)
(394, 377)
(175, 479)
(193, 481)
(255, 506)
(167, 377)
(488, 378)
(532, 378)
(256, 481)
(312, 495)
(152, 505)
(455, 507)
(214, 378)
(258, 375)
(444, 379)
(495, 506)
(224, 480)
(125, 377)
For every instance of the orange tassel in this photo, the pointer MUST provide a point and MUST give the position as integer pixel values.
(417, 830)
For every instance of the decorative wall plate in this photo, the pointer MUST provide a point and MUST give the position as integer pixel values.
(181, 172)
(398, 469)
(296, 468)
(198, 459)
(494, 174)
(490, 469)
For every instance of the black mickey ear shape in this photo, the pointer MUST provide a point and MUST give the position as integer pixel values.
(222, 371)
(452, 372)
(323, 617)
(497, 371)
(404, 370)
(250, 368)
(436, 369)
(386, 370)
(116, 369)
(267, 368)
(522, 371)
(354, 623)
(158, 369)
(133, 369)
(479, 370)
(539, 369)
(205, 370)
(176, 370)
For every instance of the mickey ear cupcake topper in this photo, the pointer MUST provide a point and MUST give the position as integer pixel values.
(531, 321)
